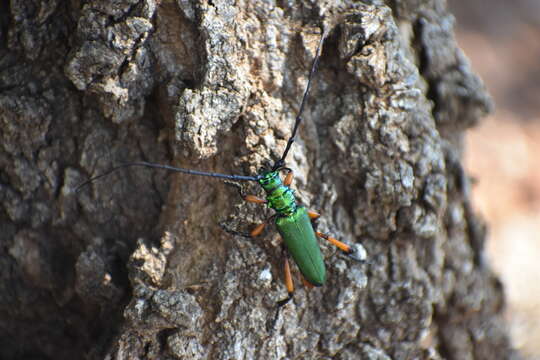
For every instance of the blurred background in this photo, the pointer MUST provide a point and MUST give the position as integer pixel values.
(501, 38)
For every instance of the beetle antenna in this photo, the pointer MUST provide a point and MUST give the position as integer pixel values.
(170, 168)
(281, 162)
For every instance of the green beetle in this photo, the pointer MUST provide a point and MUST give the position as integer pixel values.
(294, 222)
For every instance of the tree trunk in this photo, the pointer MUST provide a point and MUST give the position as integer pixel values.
(135, 265)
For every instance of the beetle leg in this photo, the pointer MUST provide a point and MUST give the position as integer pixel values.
(288, 282)
(340, 245)
(288, 179)
(253, 233)
(254, 199)
(313, 215)
(257, 230)
(248, 198)
(234, 232)
(307, 284)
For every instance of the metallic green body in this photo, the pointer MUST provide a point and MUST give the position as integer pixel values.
(294, 225)
(299, 237)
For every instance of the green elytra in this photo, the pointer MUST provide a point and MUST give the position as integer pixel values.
(292, 220)
(294, 225)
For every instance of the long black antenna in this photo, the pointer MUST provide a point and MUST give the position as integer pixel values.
(281, 162)
(171, 168)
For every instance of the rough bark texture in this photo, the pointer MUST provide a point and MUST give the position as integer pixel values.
(136, 266)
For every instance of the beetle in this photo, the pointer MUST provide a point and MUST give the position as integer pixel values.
(293, 221)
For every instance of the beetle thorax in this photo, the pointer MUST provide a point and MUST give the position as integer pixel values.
(279, 197)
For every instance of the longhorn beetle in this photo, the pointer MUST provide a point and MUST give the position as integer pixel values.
(292, 220)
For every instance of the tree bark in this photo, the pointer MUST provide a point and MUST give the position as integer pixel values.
(135, 265)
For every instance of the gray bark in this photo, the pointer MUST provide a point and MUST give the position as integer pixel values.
(136, 266)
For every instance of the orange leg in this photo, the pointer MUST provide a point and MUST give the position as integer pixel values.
(307, 284)
(254, 199)
(288, 283)
(257, 230)
(248, 198)
(226, 228)
(288, 179)
(342, 246)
